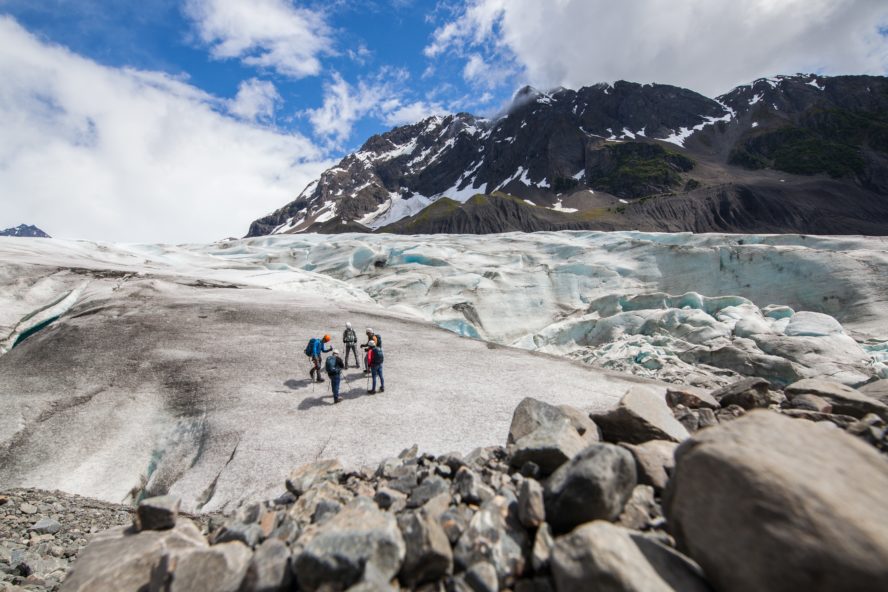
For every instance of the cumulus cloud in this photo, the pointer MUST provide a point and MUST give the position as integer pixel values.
(412, 112)
(256, 100)
(707, 45)
(271, 34)
(89, 151)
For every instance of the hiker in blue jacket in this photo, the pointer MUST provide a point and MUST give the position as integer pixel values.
(334, 366)
(313, 350)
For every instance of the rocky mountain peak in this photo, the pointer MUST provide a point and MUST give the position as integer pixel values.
(25, 230)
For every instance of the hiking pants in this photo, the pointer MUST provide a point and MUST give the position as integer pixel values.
(353, 348)
(377, 371)
(315, 371)
(334, 385)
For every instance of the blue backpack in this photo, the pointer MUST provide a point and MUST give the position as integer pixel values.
(331, 366)
(310, 348)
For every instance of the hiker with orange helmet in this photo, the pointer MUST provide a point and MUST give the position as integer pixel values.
(314, 349)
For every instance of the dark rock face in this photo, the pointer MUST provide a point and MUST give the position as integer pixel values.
(641, 144)
(24, 230)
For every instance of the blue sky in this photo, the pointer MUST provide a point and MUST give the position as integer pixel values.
(183, 120)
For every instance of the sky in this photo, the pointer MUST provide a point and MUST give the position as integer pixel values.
(184, 120)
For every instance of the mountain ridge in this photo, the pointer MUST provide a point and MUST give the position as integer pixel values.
(612, 148)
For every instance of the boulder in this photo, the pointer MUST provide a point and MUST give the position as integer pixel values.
(531, 508)
(811, 403)
(469, 486)
(46, 526)
(691, 398)
(495, 535)
(220, 568)
(654, 461)
(389, 499)
(844, 399)
(430, 487)
(749, 393)
(640, 416)
(481, 577)
(706, 418)
(594, 485)
(581, 422)
(602, 556)
(542, 548)
(531, 414)
(122, 558)
(269, 568)
(877, 390)
(428, 557)
(302, 478)
(337, 554)
(767, 503)
(641, 511)
(549, 446)
(248, 534)
(157, 513)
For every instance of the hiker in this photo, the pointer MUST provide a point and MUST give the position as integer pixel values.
(334, 366)
(375, 359)
(313, 350)
(351, 344)
(372, 339)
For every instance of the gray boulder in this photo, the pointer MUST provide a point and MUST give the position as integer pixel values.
(430, 487)
(495, 535)
(767, 503)
(604, 557)
(122, 558)
(389, 499)
(248, 534)
(157, 513)
(481, 577)
(542, 548)
(302, 478)
(46, 526)
(640, 416)
(582, 423)
(531, 507)
(531, 414)
(641, 511)
(691, 398)
(844, 399)
(749, 393)
(428, 557)
(337, 553)
(220, 568)
(594, 485)
(469, 486)
(811, 403)
(654, 461)
(269, 568)
(548, 447)
(877, 390)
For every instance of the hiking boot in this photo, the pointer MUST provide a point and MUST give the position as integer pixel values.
(382, 389)
(335, 401)
(320, 380)
(371, 392)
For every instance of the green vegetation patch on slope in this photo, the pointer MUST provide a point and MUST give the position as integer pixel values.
(636, 169)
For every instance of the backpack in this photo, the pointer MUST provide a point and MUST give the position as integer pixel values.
(310, 348)
(378, 356)
(331, 366)
(350, 336)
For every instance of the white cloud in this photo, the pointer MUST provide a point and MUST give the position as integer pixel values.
(707, 45)
(264, 33)
(256, 100)
(413, 112)
(89, 151)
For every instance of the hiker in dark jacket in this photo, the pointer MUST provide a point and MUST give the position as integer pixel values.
(313, 350)
(375, 359)
(351, 344)
(334, 366)
(372, 339)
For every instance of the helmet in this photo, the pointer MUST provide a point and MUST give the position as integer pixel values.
(335, 352)
(369, 331)
(349, 325)
(326, 338)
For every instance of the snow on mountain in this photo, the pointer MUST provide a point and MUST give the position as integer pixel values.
(24, 230)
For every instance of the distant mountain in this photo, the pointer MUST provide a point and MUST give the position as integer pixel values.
(800, 153)
(24, 230)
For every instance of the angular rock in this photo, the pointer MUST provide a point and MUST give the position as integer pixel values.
(548, 446)
(877, 390)
(220, 568)
(871, 429)
(654, 461)
(581, 422)
(27, 508)
(691, 398)
(594, 485)
(269, 568)
(428, 557)
(404, 478)
(640, 416)
(46, 526)
(748, 393)
(641, 511)
(767, 503)
(602, 556)
(122, 559)
(706, 418)
(844, 399)
(389, 499)
(358, 538)
(542, 548)
(531, 414)
(248, 534)
(495, 535)
(531, 508)
(481, 577)
(304, 477)
(468, 485)
(811, 403)
(437, 505)
(157, 513)
(454, 522)
(429, 488)
(687, 418)
(842, 421)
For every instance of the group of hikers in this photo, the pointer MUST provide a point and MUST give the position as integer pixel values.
(334, 364)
